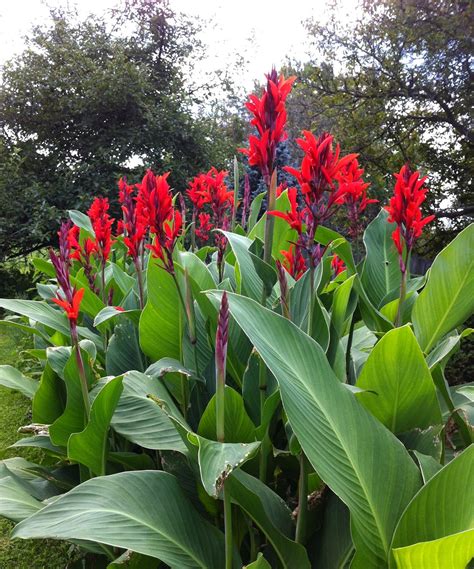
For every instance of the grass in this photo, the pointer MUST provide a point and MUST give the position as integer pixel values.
(14, 412)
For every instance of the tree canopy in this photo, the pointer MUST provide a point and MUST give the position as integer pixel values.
(393, 83)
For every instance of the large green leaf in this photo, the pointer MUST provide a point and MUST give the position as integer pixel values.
(13, 379)
(39, 312)
(73, 418)
(50, 397)
(451, 552)
(15, 502)
(90, 446)
(357, 457)
(442, 510)
(399, 390)
(238, 425)
(270, 514)
(145, 511)
(123, 352)
(447, 299)
(141, 420)
(217, 460)
(161, 322)
(381, 273)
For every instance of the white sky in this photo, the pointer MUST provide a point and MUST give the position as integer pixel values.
(273, 27)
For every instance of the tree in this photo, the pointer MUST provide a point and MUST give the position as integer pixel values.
(88, 101)
(393, 84)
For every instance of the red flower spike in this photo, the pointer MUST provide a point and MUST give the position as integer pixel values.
(294, 217)
(294, 262)
(102, 225)
(269, 118)
(337, 265)
(405, 210)
(71, 308)
(205, 226)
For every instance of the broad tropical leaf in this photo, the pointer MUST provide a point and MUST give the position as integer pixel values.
(145, 511)
(437, 521)
(90, 446)
(381, 273)
(342, 440)
(13, 379)
(399, 389)
(447, 299)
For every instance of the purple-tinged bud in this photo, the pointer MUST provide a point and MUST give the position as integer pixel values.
(222, 336)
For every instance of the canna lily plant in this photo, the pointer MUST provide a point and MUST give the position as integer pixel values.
(220, 395)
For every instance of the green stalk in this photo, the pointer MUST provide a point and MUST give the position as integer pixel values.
(301, 522)
(403, 289)
(270, 219)
(311, 299)
(262, 386)
(138, 270)
(348, 350)
(236, 192)
(191, 318)
(228, 528)
(220, 408)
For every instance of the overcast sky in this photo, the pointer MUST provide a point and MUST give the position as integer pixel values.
(274, 27)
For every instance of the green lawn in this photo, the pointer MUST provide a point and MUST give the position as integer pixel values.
(14, 412)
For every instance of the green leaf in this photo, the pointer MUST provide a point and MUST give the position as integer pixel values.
(39, 312)
(270, 514)
(334, 546)
(341, 306)
(259, 563)
(49, 400)
(168, 365)
(123, 352)
(110, 312)
(453, 552)
(81, 220)
(255, 207)
(90, 446)
(141, 420)
(282, 232)
(447, 299)
(161, 322)
(14, 379)
(341, 439)
(381, 273)
(442, 509)
(15, 502)
(238, 425)
(426, 441)
(73, 418)
(218, 460)
(40, 441)
(428, 465)
(145, 511)
(132, 560)
(404, 395)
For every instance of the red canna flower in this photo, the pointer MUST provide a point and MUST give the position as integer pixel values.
(355, 195)
(269, 118)
(294, 262)
(205, 226)
(405, 210)
(71, 307)
(134, 226)
(102, 225)
(320, 170)
(337, 265)
(155, 210)
(294, 217)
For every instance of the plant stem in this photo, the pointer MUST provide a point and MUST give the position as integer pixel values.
(270, 219)
(403, 292)
(228, 528)
(301, 522)
(220, 402)
(311, 299)
(191, 316)
(138, 270)
(236, 192)
(102, 279)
